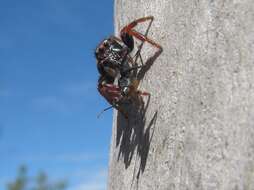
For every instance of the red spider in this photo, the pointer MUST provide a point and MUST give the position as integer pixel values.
(114, 62)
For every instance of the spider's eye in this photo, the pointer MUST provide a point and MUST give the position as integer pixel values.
(106, 43)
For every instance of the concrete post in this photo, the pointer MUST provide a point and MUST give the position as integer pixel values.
(198, 127)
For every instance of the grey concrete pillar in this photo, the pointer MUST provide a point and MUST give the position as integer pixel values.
(198, 127)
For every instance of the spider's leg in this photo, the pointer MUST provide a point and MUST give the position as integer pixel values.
(144, 38)
(129, 31)
(143, 93)
(128, 38)
(135, 22)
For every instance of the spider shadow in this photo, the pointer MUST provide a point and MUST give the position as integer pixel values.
(136, 133)
(148, 65)
(132, 135)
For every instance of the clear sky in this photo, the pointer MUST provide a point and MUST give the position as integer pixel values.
(48, 96)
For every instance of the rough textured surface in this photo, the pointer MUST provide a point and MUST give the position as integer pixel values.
(198, 128)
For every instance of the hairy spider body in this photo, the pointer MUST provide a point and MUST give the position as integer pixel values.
(115, 63)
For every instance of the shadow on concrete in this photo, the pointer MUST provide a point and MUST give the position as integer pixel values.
(148, 65)
(135, 135)
(132, 134)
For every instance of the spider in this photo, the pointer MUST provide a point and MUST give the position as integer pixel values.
(114, 62)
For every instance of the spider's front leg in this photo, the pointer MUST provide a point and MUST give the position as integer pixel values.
(128, 31)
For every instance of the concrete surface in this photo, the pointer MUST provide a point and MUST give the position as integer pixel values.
(197, 130)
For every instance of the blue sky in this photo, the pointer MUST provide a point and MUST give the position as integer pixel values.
(48, 96)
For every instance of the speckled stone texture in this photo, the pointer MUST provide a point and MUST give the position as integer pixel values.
(197, 130)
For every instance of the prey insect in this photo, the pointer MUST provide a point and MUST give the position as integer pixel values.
(117, 82)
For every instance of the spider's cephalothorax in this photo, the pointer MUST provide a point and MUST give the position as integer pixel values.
(115, 63)
(113, 56)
